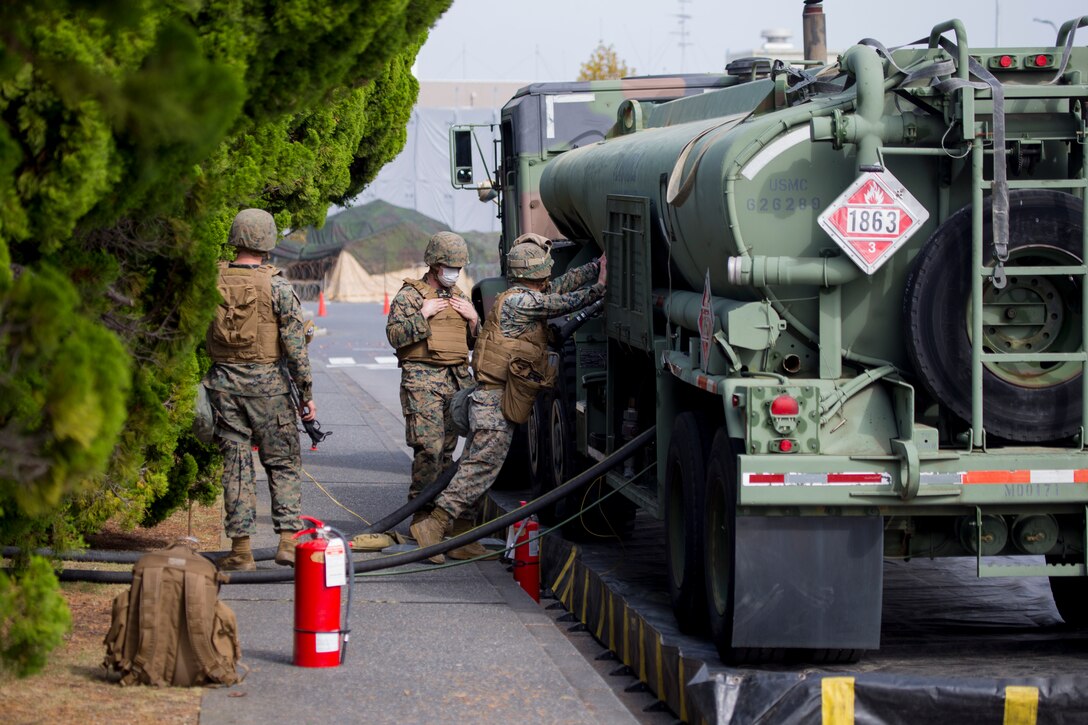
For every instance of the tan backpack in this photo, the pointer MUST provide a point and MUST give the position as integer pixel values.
(170, 628)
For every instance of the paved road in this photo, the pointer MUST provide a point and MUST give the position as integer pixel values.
(462, 644)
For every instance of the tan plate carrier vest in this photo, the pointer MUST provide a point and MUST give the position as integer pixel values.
(494, 351)
(448, 343)
(245, 328)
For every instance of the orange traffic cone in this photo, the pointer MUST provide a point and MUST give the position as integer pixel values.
(385, 306)
(320, 304)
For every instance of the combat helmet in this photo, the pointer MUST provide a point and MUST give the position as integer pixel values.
(446, 249)
(254, 229)
(529, 258)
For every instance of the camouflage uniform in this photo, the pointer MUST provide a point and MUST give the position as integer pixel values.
(491, 433)
(254, 406)
(425, 390)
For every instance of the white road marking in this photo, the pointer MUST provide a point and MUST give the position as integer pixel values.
(381, 362)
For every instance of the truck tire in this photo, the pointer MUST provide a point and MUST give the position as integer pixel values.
(1070, 593)
(685, 493)
(720, 512)
(515, 469)
(612, 517)
(564, 459)
(537, 438)
(1024, 402)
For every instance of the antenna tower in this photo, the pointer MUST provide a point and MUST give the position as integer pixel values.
(682, 18)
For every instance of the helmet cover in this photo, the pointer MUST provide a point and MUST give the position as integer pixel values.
(530, 257)
(254, 229)
(446, 249)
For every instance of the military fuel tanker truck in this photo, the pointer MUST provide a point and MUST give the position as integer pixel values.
(851, 299)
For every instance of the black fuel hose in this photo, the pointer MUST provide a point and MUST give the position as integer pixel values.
(571, 326)
(425, 496)
(381, 526)
(268, 576)
(110, 556)
(106, 556)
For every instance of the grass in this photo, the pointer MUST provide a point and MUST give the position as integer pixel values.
(74, 687)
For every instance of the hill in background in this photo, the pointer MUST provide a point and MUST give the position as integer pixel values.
(384, 238)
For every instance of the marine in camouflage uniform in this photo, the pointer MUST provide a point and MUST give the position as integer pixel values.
(258, 347)
(432, 324)
(517, 326)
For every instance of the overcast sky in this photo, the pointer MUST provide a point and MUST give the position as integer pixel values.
(539, 40)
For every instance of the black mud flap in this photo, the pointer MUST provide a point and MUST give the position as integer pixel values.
(808, 582)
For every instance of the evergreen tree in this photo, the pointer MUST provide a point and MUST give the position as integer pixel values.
(130, 135)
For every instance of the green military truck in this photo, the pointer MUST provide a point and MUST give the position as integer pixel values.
(851, 299)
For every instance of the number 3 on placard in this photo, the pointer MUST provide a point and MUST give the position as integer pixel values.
(872, 247)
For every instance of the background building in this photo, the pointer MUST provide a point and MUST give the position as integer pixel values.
(419, 178)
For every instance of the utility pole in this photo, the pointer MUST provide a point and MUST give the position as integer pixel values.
(683, 18)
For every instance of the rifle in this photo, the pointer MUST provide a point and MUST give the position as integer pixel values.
(313, 428)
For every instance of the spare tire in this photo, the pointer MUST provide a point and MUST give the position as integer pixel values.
(1026, 401)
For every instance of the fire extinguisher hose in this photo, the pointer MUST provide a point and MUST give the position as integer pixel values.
(345, 629)
(268, 576)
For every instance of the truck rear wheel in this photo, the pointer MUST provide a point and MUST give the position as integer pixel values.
(720, 511)
(514, 469)
(1033, 313)
(1070, 593)
(611, 518)
(685, 493)
(537, 437)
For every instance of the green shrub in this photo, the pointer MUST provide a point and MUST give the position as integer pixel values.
(130, 135)
(33, 617)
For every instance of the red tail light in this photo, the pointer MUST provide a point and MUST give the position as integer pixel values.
(785, 405)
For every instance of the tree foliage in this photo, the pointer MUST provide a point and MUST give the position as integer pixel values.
(604, 64)
(131, 132)
(33, 617)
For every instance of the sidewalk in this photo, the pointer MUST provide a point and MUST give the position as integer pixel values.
(463, 644)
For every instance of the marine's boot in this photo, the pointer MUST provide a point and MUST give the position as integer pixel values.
(431, 530)
(285, 553)
(473, 550)
(240, 557)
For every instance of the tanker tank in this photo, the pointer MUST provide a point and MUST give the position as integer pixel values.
(850, 301)
(729, 176)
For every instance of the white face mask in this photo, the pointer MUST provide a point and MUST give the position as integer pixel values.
(447, 276)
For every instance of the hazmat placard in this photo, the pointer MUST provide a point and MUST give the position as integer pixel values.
(873, 218)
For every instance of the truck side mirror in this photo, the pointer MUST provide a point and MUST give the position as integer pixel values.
(461, 143)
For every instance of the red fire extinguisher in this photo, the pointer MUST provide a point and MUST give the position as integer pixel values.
(527, 557)
(320, 572)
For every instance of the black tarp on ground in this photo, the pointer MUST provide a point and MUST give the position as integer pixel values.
(952, 645)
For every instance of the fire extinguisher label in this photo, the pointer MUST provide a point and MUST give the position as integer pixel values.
(512, 534)
(326, 642)
(335, 575)
(534, 548)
